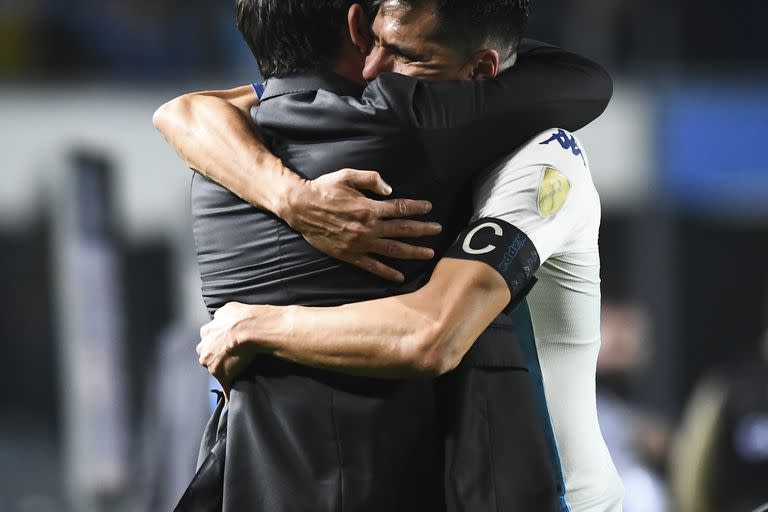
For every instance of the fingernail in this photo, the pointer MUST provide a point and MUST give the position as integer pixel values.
(431, 253)
(428, 206)
(401, 278)
(437, 227)
(387, 188)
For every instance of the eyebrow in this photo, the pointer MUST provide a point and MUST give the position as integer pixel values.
(399, 49)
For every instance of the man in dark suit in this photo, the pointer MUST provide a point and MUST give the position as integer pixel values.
(302, 439)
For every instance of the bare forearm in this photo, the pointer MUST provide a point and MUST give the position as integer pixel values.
(425, 332)
(340, 339)
(217, 139)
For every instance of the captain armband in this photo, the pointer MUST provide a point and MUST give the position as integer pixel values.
(505, 248)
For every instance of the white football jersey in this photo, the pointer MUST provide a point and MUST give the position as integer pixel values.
(545, 189)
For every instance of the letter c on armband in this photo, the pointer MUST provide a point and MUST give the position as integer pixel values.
(467, 246)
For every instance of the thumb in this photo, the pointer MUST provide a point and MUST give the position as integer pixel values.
(368, 180)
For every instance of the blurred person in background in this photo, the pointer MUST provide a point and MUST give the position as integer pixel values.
(400, 46)
(170, 435)
(171, 429)
(634, 437)
(720, 457)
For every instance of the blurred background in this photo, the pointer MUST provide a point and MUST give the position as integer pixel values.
(100, 295)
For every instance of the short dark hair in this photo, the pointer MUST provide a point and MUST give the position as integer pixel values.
(471, 25)
(293, 36)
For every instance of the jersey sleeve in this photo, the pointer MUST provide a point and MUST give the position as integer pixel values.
(545, 190)
(538, 203)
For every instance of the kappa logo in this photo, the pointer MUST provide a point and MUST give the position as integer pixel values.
(567, 142)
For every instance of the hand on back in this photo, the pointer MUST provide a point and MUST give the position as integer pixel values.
(337, 219)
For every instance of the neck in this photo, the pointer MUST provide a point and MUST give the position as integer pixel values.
(350, 72)
(349, 64)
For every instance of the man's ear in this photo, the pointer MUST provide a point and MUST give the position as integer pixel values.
(486, 65)
(359, 28)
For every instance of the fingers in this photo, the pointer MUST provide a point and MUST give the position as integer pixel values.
(376, 267)
(367, 180)
(407, 229)
(397, 208)
(402, 251)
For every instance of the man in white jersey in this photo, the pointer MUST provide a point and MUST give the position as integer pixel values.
(537, 218)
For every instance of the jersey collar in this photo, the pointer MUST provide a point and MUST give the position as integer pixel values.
(310, 82)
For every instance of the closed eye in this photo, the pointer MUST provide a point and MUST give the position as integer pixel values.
(399, 51)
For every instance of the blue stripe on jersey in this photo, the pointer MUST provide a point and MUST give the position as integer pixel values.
(258, 89)
(521, 317)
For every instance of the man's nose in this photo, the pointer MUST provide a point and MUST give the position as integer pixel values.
(379, 61)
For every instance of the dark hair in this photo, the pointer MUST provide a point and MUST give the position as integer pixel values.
(472, 25)
(292, 36)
